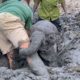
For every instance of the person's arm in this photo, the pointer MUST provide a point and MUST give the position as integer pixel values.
(28, 1)
(36, 3)
(63, 5)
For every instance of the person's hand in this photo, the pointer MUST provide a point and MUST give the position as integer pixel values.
(22, 53)
(25, 52)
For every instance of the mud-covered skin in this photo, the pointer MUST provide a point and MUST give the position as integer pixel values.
(43, 39)
(35, 44)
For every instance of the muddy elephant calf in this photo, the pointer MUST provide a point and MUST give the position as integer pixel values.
(43, 39)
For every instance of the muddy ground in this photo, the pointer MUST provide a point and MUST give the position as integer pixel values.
(68, 57)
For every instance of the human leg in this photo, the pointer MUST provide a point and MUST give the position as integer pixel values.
(57, 24)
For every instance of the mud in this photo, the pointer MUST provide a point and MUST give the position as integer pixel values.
(68, 56)
(58, 73)
(71, 42)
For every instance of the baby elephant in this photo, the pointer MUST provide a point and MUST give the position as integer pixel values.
(42, 48)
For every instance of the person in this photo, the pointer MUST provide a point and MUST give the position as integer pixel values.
(15, 20)
(48, 10)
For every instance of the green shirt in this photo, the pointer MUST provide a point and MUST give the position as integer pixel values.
(49, 10)
(16, 7)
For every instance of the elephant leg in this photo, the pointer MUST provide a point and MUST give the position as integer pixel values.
(37, 66)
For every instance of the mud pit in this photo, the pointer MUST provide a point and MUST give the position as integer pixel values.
(68, 57)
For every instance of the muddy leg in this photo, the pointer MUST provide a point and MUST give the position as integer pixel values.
(10, 57)
(38, 67)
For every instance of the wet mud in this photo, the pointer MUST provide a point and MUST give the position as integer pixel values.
(64, 64)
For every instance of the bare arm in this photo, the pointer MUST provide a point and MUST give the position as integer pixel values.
(63, 5)
(28, 1)
(36, 4)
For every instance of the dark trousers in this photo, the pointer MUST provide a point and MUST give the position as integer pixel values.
(55, 22)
